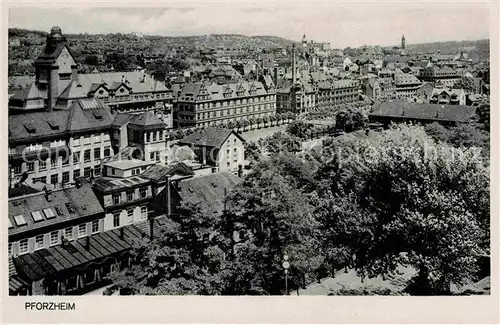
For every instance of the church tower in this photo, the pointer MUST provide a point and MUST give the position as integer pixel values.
(304, 41)
(403, 41)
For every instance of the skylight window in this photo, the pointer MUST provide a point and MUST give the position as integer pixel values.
(49, 214)
(37, 216)
(30, 127)
(59, 211)
(70, 207)
(53, 125)
(10, 224)
(19, 219)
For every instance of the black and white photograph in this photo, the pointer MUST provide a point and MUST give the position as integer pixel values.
(248, 149)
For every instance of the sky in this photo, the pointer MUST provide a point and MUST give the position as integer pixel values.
(342, 24)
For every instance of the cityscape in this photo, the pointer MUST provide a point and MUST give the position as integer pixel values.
(142, 163)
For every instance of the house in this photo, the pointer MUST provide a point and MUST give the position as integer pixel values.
(58, 244)
(221, 148)
(403, 111)
(447, 96)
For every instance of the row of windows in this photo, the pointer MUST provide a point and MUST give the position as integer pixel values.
(151, 136)
(87, 155)
(88, 139)
(130, 195)
(217, 104)
(117, 222)
(54, 179)
(232, 111)
(55, 237)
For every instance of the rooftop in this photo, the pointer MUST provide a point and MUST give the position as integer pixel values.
(106, 185)
(209, 137)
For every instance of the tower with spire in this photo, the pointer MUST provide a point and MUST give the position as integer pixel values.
(403, 41)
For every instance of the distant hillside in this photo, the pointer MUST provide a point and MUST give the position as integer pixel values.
(477, 50)
(19, 32)
(230, 41)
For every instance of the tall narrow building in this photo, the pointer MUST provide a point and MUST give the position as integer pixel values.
(403, 41)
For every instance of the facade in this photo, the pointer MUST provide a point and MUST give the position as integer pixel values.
(55, 243)
(60, 146)
(445, 75)
(331, 93)
(447, 96)
(58, 85)
(207, 105)
(125, 201)
(221, 148)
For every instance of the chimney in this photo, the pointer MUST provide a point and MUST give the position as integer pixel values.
(122, 233)
(48, 194)
(168, 196)
(151, 226)
(87, 242)
(78, 183)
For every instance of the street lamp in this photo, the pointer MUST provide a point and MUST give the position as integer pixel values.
(286, 265)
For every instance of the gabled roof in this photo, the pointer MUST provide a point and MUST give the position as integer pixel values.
(209, 137)
(67, 204)
(148, 120)
(30, 92)
(159, 173)
(122, 119)
(49, 56)
(209, 191)
(73, 91)
(88, 114)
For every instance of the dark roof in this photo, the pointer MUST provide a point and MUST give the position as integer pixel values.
(89, 114)
(209, 137)
(148, 120)
(35, 125)
(67, 204)
(106, 185)
(159, 173)
(50, 55)
(45, 262)
(208, 190)
(122, 119)
(21, 190)
(437, 112)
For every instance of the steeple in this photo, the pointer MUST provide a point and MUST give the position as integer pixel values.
(293, 65)
(403, 41)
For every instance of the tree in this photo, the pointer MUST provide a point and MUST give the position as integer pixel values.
(245, 122)
(92, 60)
(413, 202)
(279, 118)
(281, 142)
(483, 112)
(298, 128)
(465, 83)
(265, 119)
(251, 121)
(238, 124)
(231, 125)
(180, 134)
(258, 121)
(272, 119)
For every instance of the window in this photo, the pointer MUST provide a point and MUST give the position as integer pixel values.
(86, 139)
(95, 226)
(76, 157)
(97, 137)
(82, 230)
(68, 233)
(144, 212)
(17, 169)
(151, 156)
(86, 155)
(112, 171)
(87, 172)
(76, 174)
(42, 165)
(10, 249)
(49, 214)
(160, 136)
(107, 152)
(23, 246)
(53, 163)
(19, 219)
(116, 220)
(54, 238)
(143, 192)
(37, 216)
(116, 198)
(130, 195)
(76, 141)
(130, 213)
(97, 153)
(65, 177)
(97, 171)
(154, 136)
(39, 243)
(30, 166)
(54, 179)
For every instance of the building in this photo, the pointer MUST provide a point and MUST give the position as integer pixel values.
(403, 42)
(406, 85)
(58, 147)
(58, 85)
(445, 75)
(403, 111)
(204, 105)
(447, 96)
(330, 93)
(220, 148)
